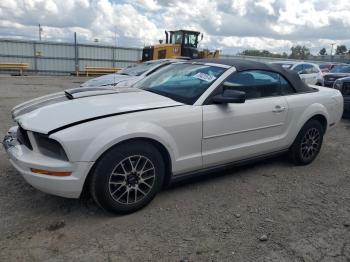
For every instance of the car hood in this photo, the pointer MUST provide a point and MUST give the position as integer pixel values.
(50, 113)
(344, 79)
(334, 76)
(111, 79)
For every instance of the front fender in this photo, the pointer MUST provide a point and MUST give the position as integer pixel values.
(127, 131)
(88, 141)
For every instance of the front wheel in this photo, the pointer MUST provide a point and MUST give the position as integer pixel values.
(307, 144)
(127, 177)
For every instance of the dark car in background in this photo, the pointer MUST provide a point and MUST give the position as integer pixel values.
(343, 85)
(326, 67)
(337, 72)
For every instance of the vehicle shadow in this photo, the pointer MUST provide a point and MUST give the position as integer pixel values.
(234, 170)
(85, 206)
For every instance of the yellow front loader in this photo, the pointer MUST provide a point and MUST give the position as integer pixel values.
(178, 44)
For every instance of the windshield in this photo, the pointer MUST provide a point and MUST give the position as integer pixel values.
(341, 69)
(284, 65)
(138, 69)
(183, 82)
(325, 66)
(176, 37)
(191, 39)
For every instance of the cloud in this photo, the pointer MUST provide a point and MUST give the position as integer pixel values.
(231, 25)
(261, 43)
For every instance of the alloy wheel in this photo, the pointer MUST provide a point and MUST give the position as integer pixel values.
(310, 143)
(132, 179)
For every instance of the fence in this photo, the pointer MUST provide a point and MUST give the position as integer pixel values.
(65, 58)
(311, 59)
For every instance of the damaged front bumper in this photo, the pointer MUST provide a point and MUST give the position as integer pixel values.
(25, 160)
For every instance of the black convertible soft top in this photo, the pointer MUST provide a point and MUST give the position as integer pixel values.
(243, 65)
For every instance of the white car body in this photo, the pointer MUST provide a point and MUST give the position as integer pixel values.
(196, 136)
(123, 80)
(312, 75)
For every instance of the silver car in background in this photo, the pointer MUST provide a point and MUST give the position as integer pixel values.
(310, 73)
(129, 75)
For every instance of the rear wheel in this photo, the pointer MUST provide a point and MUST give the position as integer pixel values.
(127, 177)
(307, 144)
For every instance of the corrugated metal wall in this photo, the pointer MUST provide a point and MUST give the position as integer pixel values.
(55, 57)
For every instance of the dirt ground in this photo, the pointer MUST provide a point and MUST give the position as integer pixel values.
(269, 211)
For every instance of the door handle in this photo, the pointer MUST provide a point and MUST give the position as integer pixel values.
(279, 109)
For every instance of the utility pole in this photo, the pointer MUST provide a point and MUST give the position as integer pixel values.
(332, 44)
(76, 55)
(114, 50)
(40, 30)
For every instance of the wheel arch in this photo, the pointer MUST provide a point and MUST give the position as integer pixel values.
(320, 118)
(158, 145)
(316, 111)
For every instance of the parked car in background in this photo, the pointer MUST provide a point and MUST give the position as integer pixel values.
(124, 144)
(310, 73)
(337, 72)
(130, 74)
(343, 85)
(326, 67)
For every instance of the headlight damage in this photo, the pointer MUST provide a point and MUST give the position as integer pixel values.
(22, 137)
(50, 147)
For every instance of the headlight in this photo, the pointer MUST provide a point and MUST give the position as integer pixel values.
(337, 85)
(50, 147)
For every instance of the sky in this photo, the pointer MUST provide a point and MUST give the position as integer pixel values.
(229, 25)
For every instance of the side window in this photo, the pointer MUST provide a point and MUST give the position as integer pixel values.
(298, 68)
(308, 69)
(286, 88)
(256, 83)
(315, 70)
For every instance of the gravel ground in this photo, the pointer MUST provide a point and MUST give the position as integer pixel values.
(269, 211)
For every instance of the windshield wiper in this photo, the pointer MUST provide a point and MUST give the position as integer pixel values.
(152, 91)
(165, 94)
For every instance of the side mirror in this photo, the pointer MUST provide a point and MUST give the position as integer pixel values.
(230, 96)
(302, 72)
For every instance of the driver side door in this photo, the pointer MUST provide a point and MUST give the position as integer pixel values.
(239, 131)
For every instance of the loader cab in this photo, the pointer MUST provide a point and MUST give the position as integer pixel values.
(178, 44)
(183, 37)
(187, 39)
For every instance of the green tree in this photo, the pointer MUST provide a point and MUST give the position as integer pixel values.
(299, 52)
(264, 53)
(341, 50)
(323, 51)
(252, 52)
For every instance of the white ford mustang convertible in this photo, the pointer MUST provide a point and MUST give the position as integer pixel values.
(124, 144)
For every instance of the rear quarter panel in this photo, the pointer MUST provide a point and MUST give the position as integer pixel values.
(326, 102)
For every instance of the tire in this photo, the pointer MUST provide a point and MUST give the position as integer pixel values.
(127, 177)
(307, 144)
